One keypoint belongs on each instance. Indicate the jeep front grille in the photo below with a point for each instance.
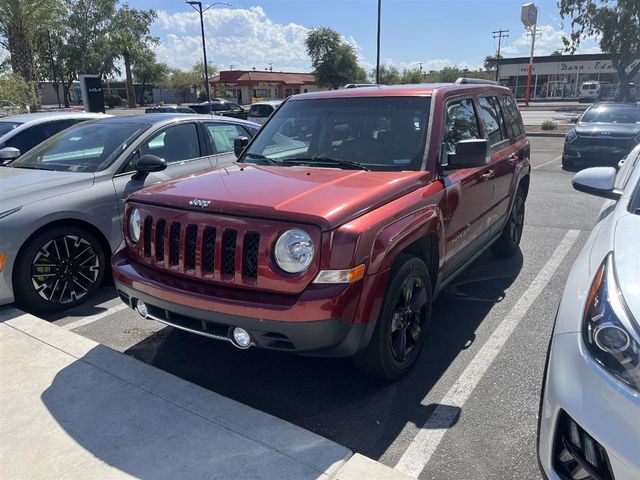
(196, 239)
(217, 249)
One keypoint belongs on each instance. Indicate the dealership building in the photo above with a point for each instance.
(556, 77)
(250, 85)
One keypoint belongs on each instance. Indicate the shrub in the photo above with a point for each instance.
(112, 100)
(15, 90)
(549, 125)
(202, 96)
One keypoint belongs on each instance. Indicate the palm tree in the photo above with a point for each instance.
(19, 20)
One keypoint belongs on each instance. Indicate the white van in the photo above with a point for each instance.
(590, 91)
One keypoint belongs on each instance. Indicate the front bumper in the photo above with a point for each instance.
(604, 408)
(594, 155)
(320, 321)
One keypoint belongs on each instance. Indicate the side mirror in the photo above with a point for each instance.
(469, 154)
(8, 154)
(239, 145)
(598, 181)
(148, 164)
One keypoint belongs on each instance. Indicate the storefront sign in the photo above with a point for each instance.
(230, 84)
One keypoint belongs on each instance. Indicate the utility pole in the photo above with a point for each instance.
(199, 9)
(499, 34)
(378, 45)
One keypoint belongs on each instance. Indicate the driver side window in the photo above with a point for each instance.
(461, 124)
(174, 144)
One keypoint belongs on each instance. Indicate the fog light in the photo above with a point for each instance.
(141, 307)
(241, 337)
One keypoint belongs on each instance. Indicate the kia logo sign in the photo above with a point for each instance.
(95, 90)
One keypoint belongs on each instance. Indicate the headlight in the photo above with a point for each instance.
(572, 136)
(608, 330)
(134, 225)
(294, 251)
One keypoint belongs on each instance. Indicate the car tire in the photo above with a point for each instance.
(401, 327)
(509, 241)
(57, 269)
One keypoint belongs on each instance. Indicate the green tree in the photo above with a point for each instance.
(389, 75)
(334, 61)
(450, 74)
(181, 83)
(15, 89)
(491, 61)
(198, 71)
(80, 44)
(20, 21)
(130, 38)
(617, 23)
(412, 75)
(148, 71)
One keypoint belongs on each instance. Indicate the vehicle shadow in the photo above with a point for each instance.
(330, 396)
(149, 426)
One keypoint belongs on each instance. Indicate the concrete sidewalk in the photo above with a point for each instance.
(75, 409)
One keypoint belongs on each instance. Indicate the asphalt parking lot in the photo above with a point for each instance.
(469, 407)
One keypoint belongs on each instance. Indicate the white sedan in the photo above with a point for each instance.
(589, 426)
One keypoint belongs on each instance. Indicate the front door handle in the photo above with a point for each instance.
(513, 159)
(488, 175)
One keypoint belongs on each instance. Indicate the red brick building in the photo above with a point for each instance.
(246, 85)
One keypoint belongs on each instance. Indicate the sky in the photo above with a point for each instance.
(438, 33)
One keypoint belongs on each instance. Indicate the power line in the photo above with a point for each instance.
(499, 34)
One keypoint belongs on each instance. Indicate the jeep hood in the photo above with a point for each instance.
(327, 197)
(22, 186)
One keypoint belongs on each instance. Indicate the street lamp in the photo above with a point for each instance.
(378, 44)
(197, 6)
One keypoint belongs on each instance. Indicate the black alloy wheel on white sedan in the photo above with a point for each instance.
(58, 269)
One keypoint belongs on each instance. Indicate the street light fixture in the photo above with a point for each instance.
(197, 6)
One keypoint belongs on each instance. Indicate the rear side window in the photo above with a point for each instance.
(493, 120)
(29, 138)
(512, 115)
(461, 124)
(222, 135)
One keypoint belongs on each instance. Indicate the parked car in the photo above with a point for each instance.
(62, 202)
(259, 112)
(169, 109)
(589, 422)
(605, 133)
(20, 133)
(348, 211)
(221, 107)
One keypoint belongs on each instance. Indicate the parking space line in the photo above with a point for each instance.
(92, 318)
(425, 443)
(535, 167)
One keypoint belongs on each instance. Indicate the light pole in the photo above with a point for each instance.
(197, 6)
(378, 44)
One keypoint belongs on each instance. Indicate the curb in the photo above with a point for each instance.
(121, 391)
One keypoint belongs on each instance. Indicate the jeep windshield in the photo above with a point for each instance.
(372, 133)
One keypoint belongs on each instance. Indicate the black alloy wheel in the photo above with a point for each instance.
(403, 321)
(58, 269)
(409, 313)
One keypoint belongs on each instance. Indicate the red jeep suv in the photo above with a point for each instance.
(341, 220)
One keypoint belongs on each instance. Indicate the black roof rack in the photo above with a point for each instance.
(464, 80)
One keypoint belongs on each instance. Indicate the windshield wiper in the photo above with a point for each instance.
(325, 160)
(257, 156)
(30, 167)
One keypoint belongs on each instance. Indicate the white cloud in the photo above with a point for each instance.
(433, 64)
(240, 37)
(548, 40)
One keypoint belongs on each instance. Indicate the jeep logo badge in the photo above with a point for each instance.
(196, 202)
